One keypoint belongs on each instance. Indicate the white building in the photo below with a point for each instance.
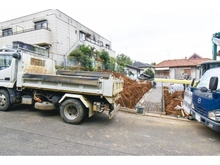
(54, 30)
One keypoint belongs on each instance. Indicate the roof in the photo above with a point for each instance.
(133, 67)
(194, 57)
(141, 64)
(193, 60)
(180, 62)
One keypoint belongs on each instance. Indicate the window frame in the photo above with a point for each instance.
(40, 25)
(7, 32)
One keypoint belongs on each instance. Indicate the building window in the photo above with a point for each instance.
(41, 25)
(82, 36)
(100, 43)
(88, 35)
(7, 32)
(107, 46)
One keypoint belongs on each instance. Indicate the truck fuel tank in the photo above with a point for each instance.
(45, 105)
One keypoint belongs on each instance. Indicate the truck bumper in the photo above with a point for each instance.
(206, 121)
(114, 111)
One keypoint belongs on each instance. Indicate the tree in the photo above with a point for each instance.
(153, 63)
(83, 56)
(149, 72)
(112, 64)
(87, 50)
(76, 55)
(123, 60)
(105, 58)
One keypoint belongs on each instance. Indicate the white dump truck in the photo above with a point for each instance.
(29, 78)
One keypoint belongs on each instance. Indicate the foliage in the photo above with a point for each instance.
(87, 50)
(88, 58)
(76, 55)
(59, 67)
(105, 58)
(121, 69)
(112, 64)
(123, 60)
(130, 73)
(149, 72)
(153, 63)
(83, 56)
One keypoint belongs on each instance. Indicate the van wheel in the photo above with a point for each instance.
(72, 111)
(4, 100)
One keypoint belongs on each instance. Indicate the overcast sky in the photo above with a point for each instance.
(146, 31)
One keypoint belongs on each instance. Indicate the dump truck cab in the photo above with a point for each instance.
(8, 66)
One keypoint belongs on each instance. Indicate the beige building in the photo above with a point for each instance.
(55, 31)
(179, 68)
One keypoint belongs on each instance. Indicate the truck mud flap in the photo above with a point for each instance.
(114, 111)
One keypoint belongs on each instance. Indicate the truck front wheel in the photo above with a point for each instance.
(72, 111)
(4, 100)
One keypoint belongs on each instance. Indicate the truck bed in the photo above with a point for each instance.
(62, 79)
(104, 75)
(92, 84)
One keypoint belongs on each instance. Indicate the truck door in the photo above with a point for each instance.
(7, 66)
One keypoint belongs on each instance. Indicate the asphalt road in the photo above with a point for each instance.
(26, 132)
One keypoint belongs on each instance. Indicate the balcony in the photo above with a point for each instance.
(40, 36)
(99, 47)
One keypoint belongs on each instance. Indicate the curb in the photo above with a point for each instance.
(133, 111)
(166, 117)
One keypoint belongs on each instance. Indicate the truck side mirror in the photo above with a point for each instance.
(192, 89)
(192, 82)
(16, 56)
(213, 83)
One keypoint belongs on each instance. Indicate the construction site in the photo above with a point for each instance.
(136, 95)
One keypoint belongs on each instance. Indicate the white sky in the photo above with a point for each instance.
(146, 31)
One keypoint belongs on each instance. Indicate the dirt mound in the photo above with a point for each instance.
(173, 100)
(133, 91)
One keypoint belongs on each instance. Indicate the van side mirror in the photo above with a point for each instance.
(16, 56)
(213, 83)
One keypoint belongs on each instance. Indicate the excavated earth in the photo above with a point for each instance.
(172, 101)
(133, 91)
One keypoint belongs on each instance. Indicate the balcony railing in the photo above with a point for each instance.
(24, 31)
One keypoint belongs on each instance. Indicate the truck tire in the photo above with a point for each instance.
(4, 100)
(72, 111)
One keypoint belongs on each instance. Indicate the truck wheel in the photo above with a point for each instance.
(4, 100)
(72, 111)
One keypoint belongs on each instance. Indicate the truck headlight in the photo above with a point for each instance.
(214, 115)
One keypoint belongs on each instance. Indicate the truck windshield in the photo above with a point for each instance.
(208, 65)
(5, 61)
(204, 80)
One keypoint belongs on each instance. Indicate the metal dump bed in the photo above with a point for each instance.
(104, 75)
(109, 88)
(94, 81)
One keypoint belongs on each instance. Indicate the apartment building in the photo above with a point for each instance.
(53, 30)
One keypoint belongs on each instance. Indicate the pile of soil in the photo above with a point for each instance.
(172, 100)
(133, 91)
